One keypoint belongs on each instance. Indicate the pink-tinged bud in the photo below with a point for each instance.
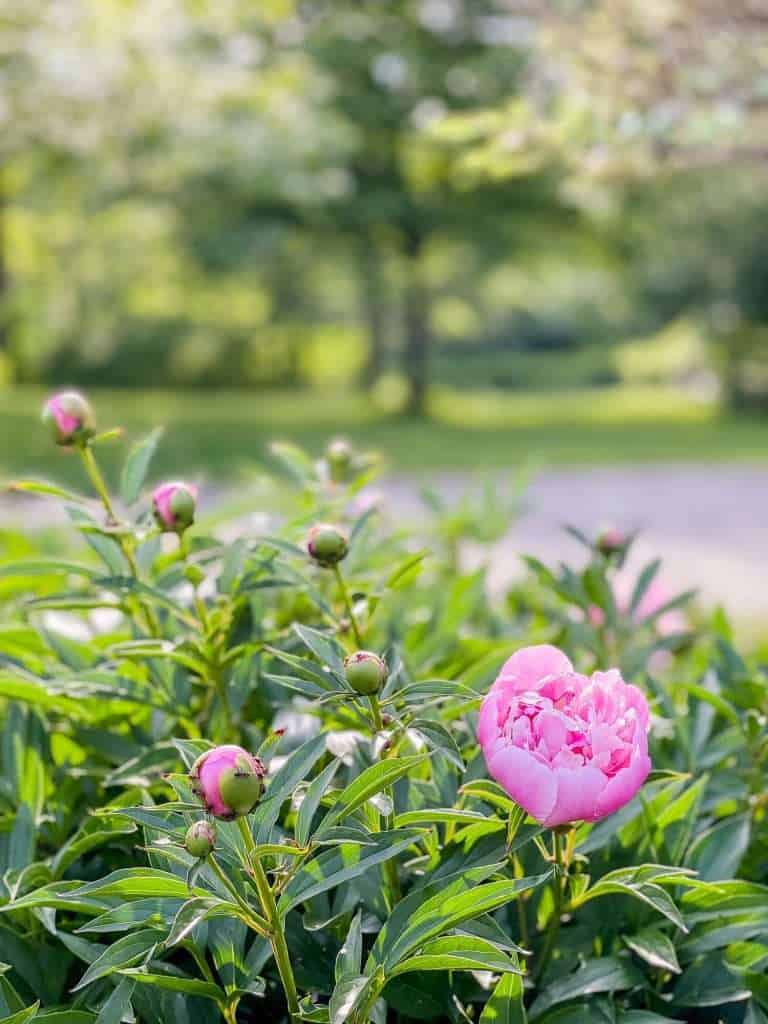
(339, 456)
(70, 418)
(228, 781)
(366, 672)
(200, 839)
(327, 544)
(610, 542)
(174, 506)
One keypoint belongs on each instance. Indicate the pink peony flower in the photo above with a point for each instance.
(228, 781)
(566, 747)
(174, 506)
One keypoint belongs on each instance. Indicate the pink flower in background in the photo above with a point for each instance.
(566, 747)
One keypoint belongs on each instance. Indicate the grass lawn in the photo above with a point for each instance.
(219, 435)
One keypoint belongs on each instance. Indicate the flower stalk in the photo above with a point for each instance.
(276, 931)
(344, 590)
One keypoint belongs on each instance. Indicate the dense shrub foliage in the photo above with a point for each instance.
(381, 875)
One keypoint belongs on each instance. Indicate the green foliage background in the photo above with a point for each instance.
(408, 886)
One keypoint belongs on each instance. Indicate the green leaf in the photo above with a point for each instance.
(441, 913)
(136, 466)
(350, 956)
(153, 911)
(655, 948)
(124, 953)
(66, 1017)
(342, 864)
(370, 782)
(407, 571)
(293, 771)
(439, 739)
(175, 983)
(440, 815)
(135, 883)
(93, 833)
(347, 997)
(506, 1004)
(311, 802)
(194, 912)
(717, 852)
(644, 581)
(49, 490)
(327, 650)
(118, 1004)
(645, 1017)
(641, 883)
(458, 953)
(607, 974)
(22, 1016)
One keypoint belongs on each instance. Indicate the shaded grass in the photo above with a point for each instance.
(220, 435)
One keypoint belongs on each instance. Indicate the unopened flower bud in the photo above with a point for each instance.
(228, 781)
(174, 506)
(366, 672)
(610, 541)
(327, 544)
(339, 456)
(200, 839)
(70, 418)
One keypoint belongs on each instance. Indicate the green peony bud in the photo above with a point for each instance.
(200, 839)
(366, 672)
(327, 544)
(339, 456)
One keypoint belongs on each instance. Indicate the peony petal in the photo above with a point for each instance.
(624, 784)
(488, 722)
(528, 666)
(528, 781)
(578, 790)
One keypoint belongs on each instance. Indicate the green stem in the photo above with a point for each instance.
(558, 879)
(276, 932)
(390, 868)
(100, 486)
(94, 474)
(254, 920)
(348, 605)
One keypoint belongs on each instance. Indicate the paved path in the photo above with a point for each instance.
(709, 523)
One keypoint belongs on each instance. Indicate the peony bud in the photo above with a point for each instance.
(327, 544)
(339, 456)
(200, 839)
(173, 505)
(228, 781)
(366, 672)
(610, 542)
(70, 418)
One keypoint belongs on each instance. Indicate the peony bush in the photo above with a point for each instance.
(313, 770)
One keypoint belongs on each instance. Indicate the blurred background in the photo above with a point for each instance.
(470, 233)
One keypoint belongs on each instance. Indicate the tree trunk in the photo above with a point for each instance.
(374, 309)
(417, 332)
